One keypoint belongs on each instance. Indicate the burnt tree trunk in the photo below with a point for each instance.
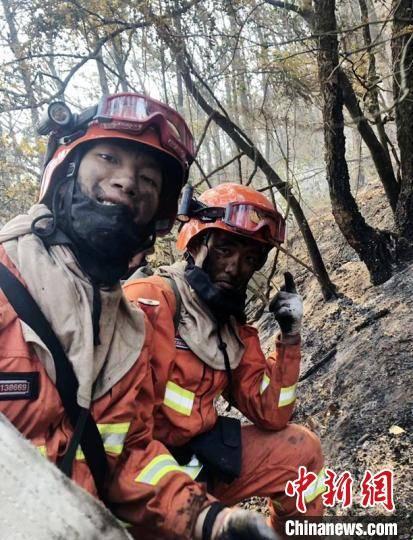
(379, 153)
(372, 78)
(402, 51)
(373, 247)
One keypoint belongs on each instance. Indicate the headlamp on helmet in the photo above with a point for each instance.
(191, 208)
(57, 117)
(127, 112)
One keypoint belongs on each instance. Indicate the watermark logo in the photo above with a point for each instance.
(337, 489)
(377, 489)
(299, 487)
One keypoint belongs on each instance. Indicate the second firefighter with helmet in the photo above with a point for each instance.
(204, 349)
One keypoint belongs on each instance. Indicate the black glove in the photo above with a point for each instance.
(287, 307)
(244, 525)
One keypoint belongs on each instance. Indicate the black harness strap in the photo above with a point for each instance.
(85, 428)
(211, 515)
(222, 346)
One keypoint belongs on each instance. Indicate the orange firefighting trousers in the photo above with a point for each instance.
(269, 460)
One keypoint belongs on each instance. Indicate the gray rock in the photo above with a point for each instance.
(37, 502)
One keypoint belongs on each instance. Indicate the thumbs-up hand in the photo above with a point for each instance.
(287, 307)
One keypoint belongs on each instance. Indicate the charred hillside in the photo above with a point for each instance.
(357, 369)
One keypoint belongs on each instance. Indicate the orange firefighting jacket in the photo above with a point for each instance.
(146, 487)
(186, 388)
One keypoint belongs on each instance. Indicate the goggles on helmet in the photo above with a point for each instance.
(250, 218)
(245, 218)
(127, 112)
(135, 112)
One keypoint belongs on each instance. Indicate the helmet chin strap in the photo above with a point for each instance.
(204, 242)
(48, 233)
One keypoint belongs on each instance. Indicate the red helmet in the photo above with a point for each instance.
(247, 213)
(129, 116)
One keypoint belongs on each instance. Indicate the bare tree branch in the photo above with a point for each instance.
(238, 156)
(204, 132)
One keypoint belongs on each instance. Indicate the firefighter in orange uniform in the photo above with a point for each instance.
(208, 350)
(111, 182)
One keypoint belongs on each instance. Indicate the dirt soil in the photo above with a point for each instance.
(358, 396)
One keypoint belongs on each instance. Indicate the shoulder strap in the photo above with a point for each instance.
(178, 300)
(85, 429)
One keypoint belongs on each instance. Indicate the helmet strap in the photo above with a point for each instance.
(206, 237)
(48, 232)
(74, 163)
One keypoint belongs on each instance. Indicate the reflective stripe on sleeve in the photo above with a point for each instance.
(124, 524)
(42, 450)
(264, 383)
(113, 437)
(178, 398)
(316, 487)
(287, 395)
(162, 465)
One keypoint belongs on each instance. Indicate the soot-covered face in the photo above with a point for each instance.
(121, 173)
(232, 260)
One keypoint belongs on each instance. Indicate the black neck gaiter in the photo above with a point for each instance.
(104, 238)
(222, 303)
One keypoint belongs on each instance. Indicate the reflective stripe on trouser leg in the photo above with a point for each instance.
(316, 487)
(42, 450)
(264, 383)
